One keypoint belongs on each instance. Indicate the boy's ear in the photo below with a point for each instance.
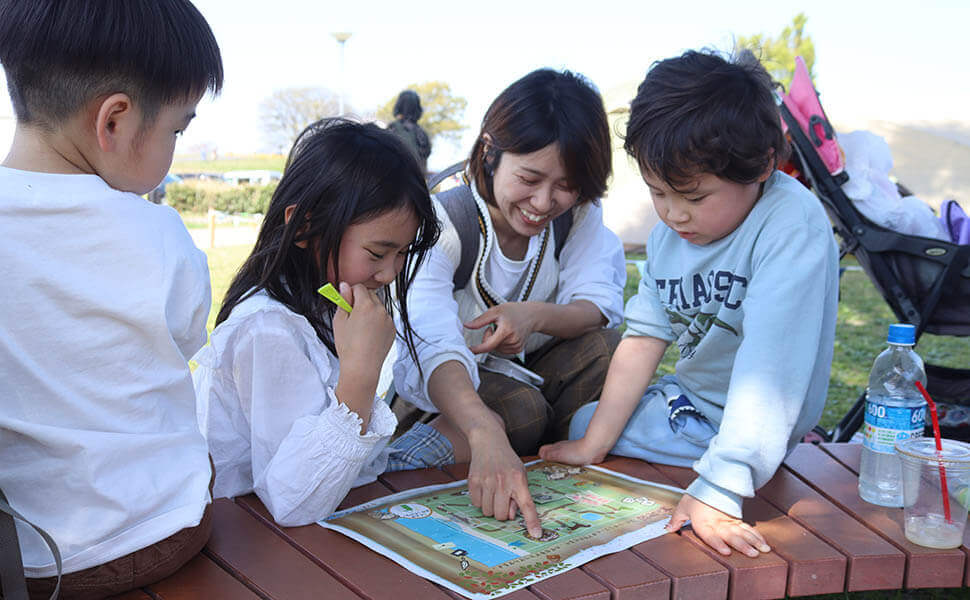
(287, 215)
(770, 168)
(116, 122)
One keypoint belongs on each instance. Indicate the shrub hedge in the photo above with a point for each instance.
(200, 196)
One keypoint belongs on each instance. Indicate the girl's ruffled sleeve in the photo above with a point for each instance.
(307, 448)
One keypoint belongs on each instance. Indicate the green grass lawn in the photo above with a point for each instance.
(269, 162)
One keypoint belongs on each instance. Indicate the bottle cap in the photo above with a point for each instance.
(901, 333)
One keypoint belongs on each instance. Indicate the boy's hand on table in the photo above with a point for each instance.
(717, 529)
(572, 452)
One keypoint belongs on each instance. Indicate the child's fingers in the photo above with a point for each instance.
(754, 537)
(548, 451)
(739, 540)
(677, 519)
(713, 539)
(347, 292)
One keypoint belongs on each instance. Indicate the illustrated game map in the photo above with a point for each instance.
(436, 532)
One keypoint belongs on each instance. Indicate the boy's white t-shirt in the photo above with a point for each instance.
(104, 299)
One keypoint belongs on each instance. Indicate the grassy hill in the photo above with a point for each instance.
(191, 164)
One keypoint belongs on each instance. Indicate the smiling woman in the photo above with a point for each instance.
(508, 354)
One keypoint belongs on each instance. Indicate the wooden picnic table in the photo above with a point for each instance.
(824, 538)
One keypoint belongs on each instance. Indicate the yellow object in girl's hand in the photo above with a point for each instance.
(330, 293)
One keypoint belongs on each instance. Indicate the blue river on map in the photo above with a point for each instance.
(442, 532)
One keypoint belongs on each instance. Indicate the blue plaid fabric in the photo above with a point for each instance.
(420, 447)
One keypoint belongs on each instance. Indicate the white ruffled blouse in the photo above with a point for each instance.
(266, 404)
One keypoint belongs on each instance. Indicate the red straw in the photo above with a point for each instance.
(939, 449)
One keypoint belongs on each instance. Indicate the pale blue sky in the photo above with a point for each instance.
(887, 60)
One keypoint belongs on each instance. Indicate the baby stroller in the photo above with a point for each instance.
(925, 281)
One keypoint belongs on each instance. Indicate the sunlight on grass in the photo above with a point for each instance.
(223, 264)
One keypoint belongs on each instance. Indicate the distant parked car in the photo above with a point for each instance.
(158, 194)
(260, 176)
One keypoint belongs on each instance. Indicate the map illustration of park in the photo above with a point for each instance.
(436, 532)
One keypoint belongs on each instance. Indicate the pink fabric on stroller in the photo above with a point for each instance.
(802, 100)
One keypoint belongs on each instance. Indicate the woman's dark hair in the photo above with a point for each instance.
(61, 55)
(408, 106)
(339, 173)
(547, 107)
(701, 113)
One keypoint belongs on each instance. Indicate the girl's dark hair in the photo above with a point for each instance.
(547, 107)
(61, 55)
(408, 106)
(701, 113)
(339, 173)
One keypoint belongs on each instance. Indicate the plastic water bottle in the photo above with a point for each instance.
(895, 410)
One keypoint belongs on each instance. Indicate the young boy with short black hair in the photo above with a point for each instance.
(105, 297)
(742, 274)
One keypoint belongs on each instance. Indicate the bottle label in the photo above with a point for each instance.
(884, 425)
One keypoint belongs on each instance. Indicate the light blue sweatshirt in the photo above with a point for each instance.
(754, 317)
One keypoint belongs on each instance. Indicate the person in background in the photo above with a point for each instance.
(407, 113)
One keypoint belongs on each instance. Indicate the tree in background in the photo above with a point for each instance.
(778, 54)
(443, 111)
(288, 111)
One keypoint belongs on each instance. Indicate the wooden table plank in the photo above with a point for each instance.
(771, 575)
(406, 480)
(523, 594)
(850, 455)
(628, 576)
(201, 578)
(367, 573)
(132, 595)
(925, 567)
(571, 585)
(364, 493)
(265, 562)
(692, 572)
(873, 563)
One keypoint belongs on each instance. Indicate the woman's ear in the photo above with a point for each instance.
(489, 155)
(486, 144)
(116, 123)
(287, 215)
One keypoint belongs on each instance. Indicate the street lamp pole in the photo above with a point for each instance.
(342, 37)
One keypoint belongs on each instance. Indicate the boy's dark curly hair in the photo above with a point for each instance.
(701, 113)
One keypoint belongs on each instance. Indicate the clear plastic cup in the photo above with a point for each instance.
(924, 513)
